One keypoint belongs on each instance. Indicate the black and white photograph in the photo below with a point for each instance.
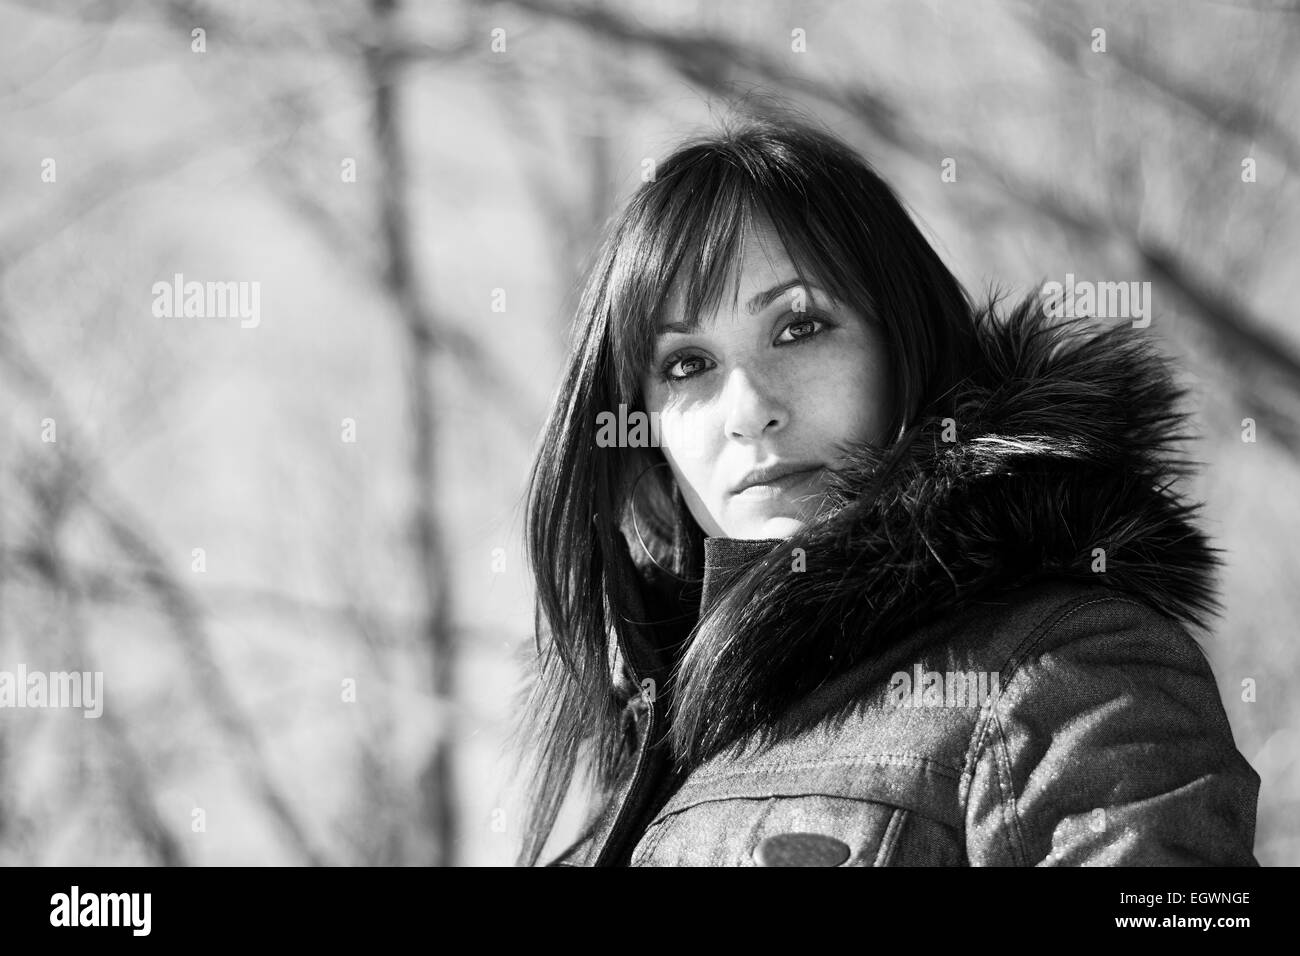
(545, 434)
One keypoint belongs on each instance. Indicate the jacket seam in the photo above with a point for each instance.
(641, 854)
(940, 769)
(991, 724)
(888, 842)
(1007, 798)
(943, 769)
(660, 821)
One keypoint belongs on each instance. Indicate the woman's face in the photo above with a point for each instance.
(780, 380)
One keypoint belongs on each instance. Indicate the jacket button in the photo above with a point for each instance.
(801, 849)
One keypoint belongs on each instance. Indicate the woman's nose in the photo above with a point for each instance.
(752, 406)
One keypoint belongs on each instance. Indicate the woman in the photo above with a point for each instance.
(834, 568)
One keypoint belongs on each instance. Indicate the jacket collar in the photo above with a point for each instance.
(668, 609)
(1055, 458)
(725, 558)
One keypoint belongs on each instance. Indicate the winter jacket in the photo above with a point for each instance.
(986, 659)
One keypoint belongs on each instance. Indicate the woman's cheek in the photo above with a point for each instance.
(685, 434)
(692, 460)
(852, 399)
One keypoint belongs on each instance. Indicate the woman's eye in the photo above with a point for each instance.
(804, 328)
(678, 368)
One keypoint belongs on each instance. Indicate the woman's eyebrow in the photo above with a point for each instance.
(763, 299)
(755, 305)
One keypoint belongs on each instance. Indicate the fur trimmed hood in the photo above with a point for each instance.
(1058, 453)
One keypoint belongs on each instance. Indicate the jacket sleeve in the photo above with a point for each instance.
(1109, 746)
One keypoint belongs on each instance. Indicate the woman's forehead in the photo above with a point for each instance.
(761, 273)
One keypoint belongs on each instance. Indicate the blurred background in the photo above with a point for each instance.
(293, 548)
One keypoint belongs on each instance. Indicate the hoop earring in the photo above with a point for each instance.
(679, 525)
(679, 530)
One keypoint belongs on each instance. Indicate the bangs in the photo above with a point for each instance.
(685, 234)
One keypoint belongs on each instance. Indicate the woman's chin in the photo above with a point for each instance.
(776, 526)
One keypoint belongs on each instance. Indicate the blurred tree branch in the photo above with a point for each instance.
(123, 584)
(437, 782)
(712, 62)
(280, 110)
(76, 481)
(132, 773)
(1211, 107)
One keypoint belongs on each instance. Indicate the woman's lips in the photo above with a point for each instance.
(779, 487)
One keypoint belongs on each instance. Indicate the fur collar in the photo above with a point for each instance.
(1064, 442)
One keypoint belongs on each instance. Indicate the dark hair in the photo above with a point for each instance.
(840, 223)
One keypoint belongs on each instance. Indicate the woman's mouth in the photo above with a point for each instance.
(777, 487)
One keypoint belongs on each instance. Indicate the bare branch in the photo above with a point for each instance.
(83, 483)
(708, 61)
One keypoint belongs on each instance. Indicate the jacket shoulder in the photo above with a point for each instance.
(1008, 627)
(1107, 742)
